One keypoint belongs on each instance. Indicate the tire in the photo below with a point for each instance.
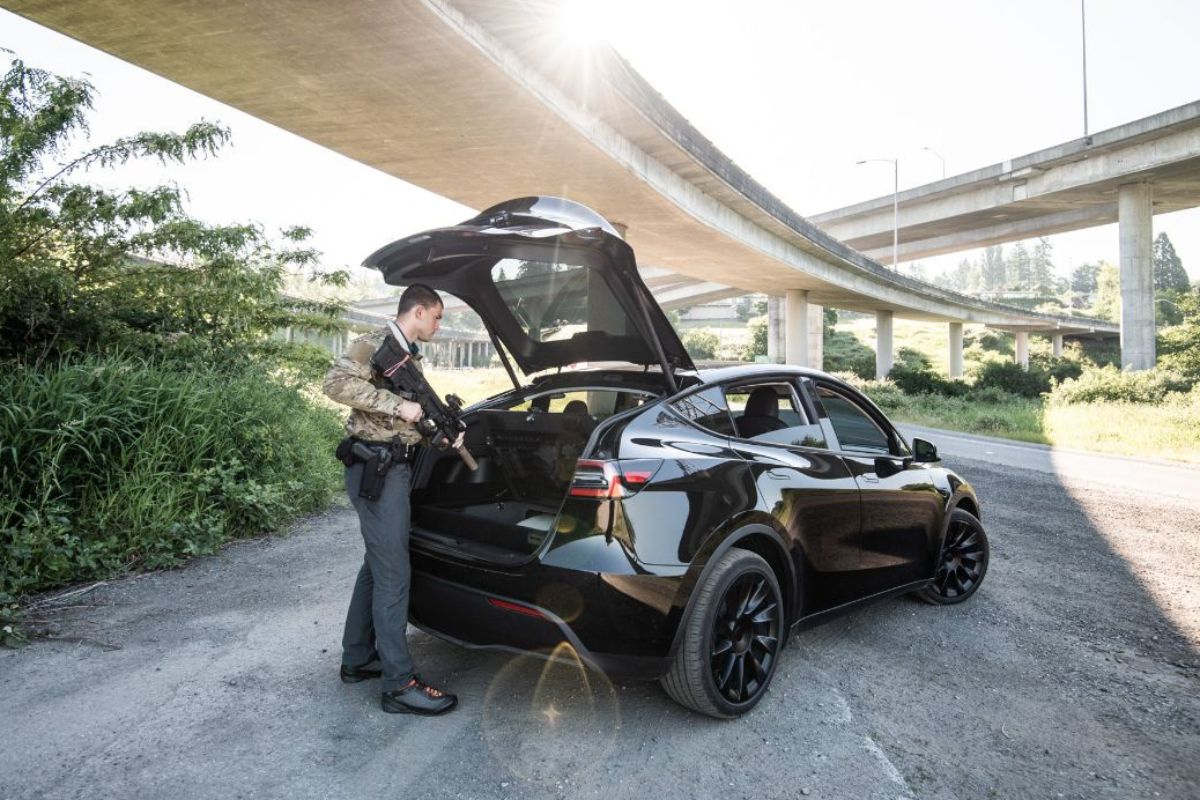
(731, 640)
(962, 563)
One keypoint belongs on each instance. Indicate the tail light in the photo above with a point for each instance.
(612, 479)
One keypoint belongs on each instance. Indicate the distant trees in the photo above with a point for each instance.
(1042, 266)
(1107, 303)
(1083, 278)
(993, 268)
(1169, 274)
(1027, 276)
(1019, 268)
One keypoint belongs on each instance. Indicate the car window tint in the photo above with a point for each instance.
(553, 302)
(707, 409)
(783, 422)
(855, 430)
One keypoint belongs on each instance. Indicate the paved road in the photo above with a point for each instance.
(1073, 673)
(1167, 478)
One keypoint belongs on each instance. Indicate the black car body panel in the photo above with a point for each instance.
(593, 528)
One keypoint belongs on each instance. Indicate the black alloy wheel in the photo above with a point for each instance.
(731, 639)
(963, 562)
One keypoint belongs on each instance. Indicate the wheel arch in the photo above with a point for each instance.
(968, 504)
(758, 538)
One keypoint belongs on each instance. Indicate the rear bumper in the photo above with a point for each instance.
(622, 625)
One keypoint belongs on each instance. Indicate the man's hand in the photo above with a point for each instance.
(459, 441)
(410, 411)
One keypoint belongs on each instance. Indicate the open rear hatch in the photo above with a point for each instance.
(555, 285)
(550, 279)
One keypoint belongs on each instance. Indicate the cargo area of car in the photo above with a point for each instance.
(504, 510)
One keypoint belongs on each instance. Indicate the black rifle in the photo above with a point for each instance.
(441, 423)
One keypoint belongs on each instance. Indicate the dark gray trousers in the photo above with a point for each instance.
(377, 620)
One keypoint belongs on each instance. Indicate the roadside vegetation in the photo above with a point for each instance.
(146, 412)
(1081, 400)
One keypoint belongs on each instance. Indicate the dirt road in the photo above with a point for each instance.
(1073, 673)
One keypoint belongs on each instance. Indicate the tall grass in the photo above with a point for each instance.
(111, 463)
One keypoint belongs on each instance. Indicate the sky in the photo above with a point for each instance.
(795, 92)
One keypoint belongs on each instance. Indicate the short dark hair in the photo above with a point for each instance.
(418, 295)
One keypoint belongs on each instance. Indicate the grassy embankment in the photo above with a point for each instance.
(1164, 430)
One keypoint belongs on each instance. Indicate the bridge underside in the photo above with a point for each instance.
(1068, 187)
(482, 100)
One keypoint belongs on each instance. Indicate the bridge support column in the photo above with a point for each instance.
(1023, 349)
(775, 343)
(1056, 343)
(816, 336)
(883, 344)
(796, 349)
(956, 348)
(1134, 213)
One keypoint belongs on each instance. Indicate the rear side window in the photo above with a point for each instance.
(771, 412)
(707, 409)
(855, 430)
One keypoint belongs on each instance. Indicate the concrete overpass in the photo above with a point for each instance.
(481, 100)
(1124, 174)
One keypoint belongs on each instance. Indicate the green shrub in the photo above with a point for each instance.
(1057, 369)
(701, 344)
(913, 359)
(843, 352)
(1109, 384)
(758, 339)
(1179, 345)
(914, 380)
(991, 395)
(1011, 377)
(111, 463)
(990, 341)
(885, 393)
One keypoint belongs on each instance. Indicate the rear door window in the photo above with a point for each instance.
(772, 412)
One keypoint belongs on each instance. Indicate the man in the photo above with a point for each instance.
(375, 642)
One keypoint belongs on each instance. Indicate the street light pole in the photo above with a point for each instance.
(939, 155)
(1083, 38)
(895, 162)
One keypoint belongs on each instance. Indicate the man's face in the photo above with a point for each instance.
(428, 319)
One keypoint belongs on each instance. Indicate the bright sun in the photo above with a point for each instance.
(589, 22)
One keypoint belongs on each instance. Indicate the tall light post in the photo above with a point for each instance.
(895, 162)
(939, 156)
(1083, 43)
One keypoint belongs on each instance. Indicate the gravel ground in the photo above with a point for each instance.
(1072, 673)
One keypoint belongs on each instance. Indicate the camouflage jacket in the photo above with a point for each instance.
(374, 410)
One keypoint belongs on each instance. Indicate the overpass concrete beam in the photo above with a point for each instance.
(1056, 343)
(883, 344)
(1134, 207)
(1022, 356)
(916, 247)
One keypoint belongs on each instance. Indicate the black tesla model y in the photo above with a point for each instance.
(664, 522)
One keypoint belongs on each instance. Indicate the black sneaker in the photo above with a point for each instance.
(371, 669)
(418, 697)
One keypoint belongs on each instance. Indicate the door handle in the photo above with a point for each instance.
(869, 477)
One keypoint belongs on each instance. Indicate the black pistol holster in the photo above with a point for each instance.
(376, 459)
